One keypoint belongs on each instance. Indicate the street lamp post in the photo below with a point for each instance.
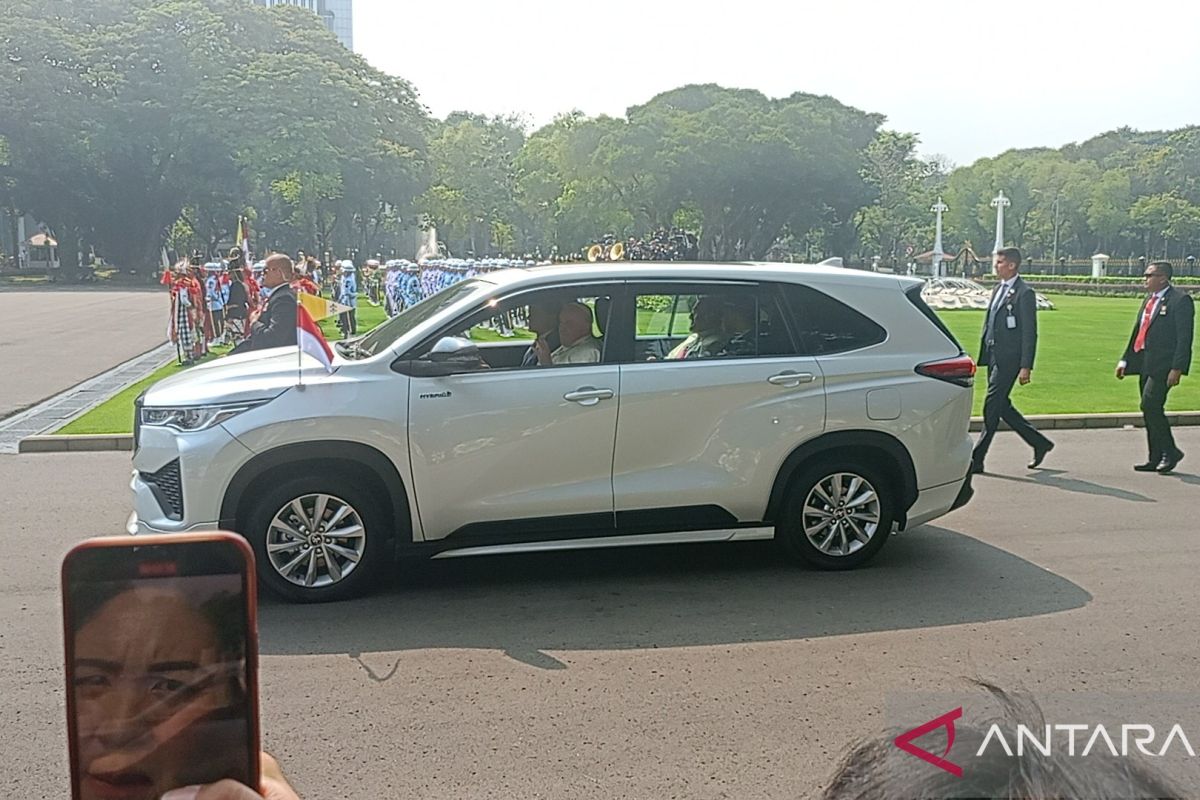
(999, 202)
(1055, 256)
(938, 253)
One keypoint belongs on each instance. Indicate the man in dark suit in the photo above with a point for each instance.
(1160, 352)
(276, 326)
(1007, 348)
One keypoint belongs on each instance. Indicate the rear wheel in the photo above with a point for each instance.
(838, 515)
(318, 539)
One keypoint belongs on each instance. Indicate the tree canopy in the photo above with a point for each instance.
(134, 124)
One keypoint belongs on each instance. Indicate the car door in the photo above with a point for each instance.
(703, 431)
(509, 454)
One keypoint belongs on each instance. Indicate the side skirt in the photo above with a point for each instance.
(631, 540)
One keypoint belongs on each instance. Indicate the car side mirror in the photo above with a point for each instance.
(455, 350)
(451, 355)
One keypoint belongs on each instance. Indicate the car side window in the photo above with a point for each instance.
(541, 328)
(699, 321)
(827, 326)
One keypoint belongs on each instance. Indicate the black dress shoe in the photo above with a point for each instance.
(1039, 454)
(1149, 466)
(1170, 462)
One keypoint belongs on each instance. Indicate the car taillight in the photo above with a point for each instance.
(959, 370)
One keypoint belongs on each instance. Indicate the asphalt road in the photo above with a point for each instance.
(697, 672)
(53, 339)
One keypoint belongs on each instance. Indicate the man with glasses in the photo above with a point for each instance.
(1160, 353)
(276, 326)
(1007, 348)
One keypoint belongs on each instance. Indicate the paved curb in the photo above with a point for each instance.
(94, 442)
(1050, 422)
(1045, 422)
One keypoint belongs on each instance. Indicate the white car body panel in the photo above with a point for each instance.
(700, 433)
(505, 445)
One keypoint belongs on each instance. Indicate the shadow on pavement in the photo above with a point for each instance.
(1050, 477)
(677, 596)
(1185, 477)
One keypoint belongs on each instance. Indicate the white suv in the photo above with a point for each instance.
(820, 407)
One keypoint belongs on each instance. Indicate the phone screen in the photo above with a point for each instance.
(160, 667)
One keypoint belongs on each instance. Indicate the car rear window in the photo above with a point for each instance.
(828, 326)
(914, 296)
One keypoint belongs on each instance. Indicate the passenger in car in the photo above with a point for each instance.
(706, 331)
(737, 325)
(543, 320)
(578, 345)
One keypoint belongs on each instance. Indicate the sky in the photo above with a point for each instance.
(970, 78)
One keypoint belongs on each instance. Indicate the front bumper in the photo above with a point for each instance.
(179, 478)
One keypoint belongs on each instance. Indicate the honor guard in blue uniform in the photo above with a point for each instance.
(348, 296)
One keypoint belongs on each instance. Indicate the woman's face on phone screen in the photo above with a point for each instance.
(147, 673)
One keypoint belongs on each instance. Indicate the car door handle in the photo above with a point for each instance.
(791, 379)
(587, 396)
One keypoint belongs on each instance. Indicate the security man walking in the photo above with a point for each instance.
(1160, 353)
(1008, 346)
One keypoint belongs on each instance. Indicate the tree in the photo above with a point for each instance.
(133, 110)
(1166, 218)
(906, 188)
(474, 177)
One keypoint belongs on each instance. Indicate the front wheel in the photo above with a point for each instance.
(838, 515)
(318, 539)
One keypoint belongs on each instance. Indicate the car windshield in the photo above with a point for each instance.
(388, 332)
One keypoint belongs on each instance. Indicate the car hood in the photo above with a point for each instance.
(258, 375)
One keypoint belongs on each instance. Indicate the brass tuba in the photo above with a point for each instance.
(616, 252)
(594, 253)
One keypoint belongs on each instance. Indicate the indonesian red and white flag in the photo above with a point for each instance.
(311, 340)
(243, 240)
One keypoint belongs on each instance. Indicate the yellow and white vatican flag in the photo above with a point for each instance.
(319, 308)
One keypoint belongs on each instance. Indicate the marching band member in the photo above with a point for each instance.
(214, 294)
(182, 329)
(302, 283)
(348, 296)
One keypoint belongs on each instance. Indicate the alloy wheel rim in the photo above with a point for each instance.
(841, 514)
(316, 540)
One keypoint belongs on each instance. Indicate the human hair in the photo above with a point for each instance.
(1011, 254)
(1163, 268)
(875, 770)
(580, 311)
(289, 269)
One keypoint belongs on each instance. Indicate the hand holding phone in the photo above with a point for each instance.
(161, 662)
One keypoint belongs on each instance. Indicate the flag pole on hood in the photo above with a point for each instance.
(309, 339)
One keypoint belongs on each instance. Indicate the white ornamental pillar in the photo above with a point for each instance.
(999, 202)
(939, 254)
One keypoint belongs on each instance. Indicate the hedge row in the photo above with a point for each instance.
(1111, 279)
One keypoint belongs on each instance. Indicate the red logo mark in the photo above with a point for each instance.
(905, 742)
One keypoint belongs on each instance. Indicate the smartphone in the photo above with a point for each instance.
(161, 644)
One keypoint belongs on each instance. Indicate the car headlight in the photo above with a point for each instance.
(196, 418)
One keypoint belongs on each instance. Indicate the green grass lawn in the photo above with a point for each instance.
(1079, 345)
(1078, 348)
(115, 415)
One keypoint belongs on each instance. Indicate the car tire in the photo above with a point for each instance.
(829, 509)
(303, 565)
